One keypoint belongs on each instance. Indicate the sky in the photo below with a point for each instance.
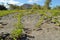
(21, 2)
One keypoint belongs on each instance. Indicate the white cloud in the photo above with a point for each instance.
(30, 1)
(10, 2)
(33, 1)
(13, 2)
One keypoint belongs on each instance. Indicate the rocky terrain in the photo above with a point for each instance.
(47, 31)
(7, 23)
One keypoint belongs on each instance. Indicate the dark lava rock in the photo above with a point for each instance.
(3, 36)
(25, 37)
(39, 29)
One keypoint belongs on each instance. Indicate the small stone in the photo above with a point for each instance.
(53, 22)
(39, 29)
(0, 18)
(4, 23)
(1, 26)
(1, 22)
(30, 36)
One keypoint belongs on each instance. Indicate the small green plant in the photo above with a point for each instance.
(16, 33)
(19, 28)
(39, 23)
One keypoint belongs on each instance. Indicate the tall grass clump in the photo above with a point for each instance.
(19, 28)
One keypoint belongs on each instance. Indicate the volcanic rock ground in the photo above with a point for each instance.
(7, 23)
(48, 30)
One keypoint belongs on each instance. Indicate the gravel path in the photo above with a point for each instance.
(48, 30)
